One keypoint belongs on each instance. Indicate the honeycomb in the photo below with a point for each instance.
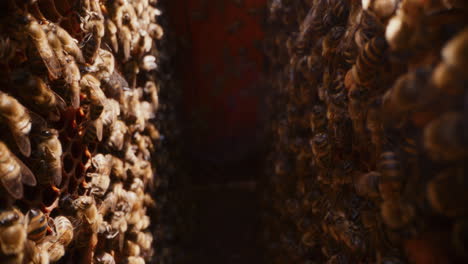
(80, 129)
(369, 147)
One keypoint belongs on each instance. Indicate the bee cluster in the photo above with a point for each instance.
(80, 126)
(369, 127)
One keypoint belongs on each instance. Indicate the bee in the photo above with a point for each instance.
(331, 41)
(33, 254)
(119, 169)
(397, 213)
(12, 232)
(100, 179)
(358, 97)
(39, 38)
(318, 119)
(115, 85)
(446, 192)
(144, 144)
(443, 138)
(135, 260)
(93, 25)
(409, 92)
(125, 37)
(49, 153)
(116, 138)
(368, 61)
(37, 93)
(13, 173)
(110, 113)
(104, 258)
(459, 231)
(367, 184)
(382, 8)
(104, 64)
(16, 116)
(131, 248)
(151, 91)
(55, 250)
(111, 30)
(72, 77)
(37, 225)
(64, 230)
(454, 52)
(155, 31)
(374, 124)
(69, 44)
(322, 150)
(148, 63)
(7, 49)
(86, 210)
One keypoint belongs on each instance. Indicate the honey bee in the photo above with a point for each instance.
(114, 85)
(318, 119)
(104, 64)
(13, 173)
(54, 249)
(367, 184)
(39, 38)
(444, 138)
(13, 233)
(331, 40)
(446, 192)
(110, 113)
(111, 30)
(459, 231)
(397, 213)
(100, 179)
(72, 77)
(69, 44)
(7, 49)
(152, 91)
(144, 144)
(49, 153)
(155, 31)
(368, 60)
(37, 93)
(358, 97)
(97, 101)
(382, 8)
(104, 258)
(374, 124)
(135, 260)
(322, 150)
(94, 26)
(33, 255)
(119, 169)
(148, 63)
(16, 116)
(116, 138)
(37, 225)
(86, 210)
(408, 93)
(64, 230)
(125, 37)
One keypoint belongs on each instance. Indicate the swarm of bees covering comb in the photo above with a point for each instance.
(370, 128)
(78, 105)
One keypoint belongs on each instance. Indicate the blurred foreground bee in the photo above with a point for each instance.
(37, 225)
(368, 62)
(13, 173)
(94, 26)
(16, 116)
(444, 138)
(12, 232)
(447, 192)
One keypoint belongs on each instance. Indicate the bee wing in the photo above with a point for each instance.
(27, 177)
(23, 143)
(50, 60)
(99, 128)
(13, 186)
(75, 94)
(56, 172)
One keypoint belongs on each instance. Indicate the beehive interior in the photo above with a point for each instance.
(308, 131)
